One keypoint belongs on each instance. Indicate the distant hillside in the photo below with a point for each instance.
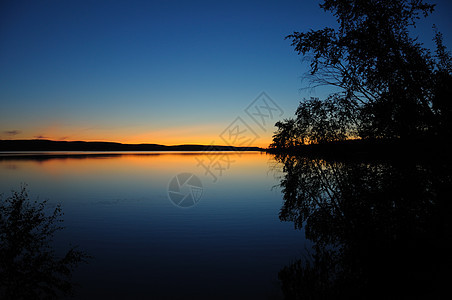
(47, 145)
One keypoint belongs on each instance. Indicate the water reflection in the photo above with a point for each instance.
(29, 265)
(379, 228)
(231, 245)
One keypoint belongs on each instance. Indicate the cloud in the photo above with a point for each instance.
(39, 137)
(12, 132)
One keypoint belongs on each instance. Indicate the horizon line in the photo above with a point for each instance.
(131, 144)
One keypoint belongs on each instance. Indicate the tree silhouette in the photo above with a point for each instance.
(389, 85)
(29, 267)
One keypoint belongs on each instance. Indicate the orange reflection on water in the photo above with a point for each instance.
(152, 164)
(146, 175)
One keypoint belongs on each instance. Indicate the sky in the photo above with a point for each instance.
(165, 72)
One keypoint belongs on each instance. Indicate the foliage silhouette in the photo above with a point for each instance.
(380, 229)
(29, 267)
(388, 85)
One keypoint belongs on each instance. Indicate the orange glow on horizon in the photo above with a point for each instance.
(199, 135)
(169, 142)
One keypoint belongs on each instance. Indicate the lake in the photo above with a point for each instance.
(117, 207)
(245, 225)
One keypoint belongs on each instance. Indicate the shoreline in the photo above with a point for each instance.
(424, 149)
(49, 145)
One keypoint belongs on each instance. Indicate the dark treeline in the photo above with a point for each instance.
(389, 87)
(47, 145)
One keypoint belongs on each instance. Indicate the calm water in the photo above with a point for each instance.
(230, 244)
(248, 225)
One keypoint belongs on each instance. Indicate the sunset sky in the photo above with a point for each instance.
(167, 72)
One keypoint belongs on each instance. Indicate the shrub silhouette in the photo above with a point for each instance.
(29, 267)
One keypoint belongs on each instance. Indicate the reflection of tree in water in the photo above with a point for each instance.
(379, 229)
(29, 267)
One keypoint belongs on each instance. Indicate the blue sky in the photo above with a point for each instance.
(168, 72)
